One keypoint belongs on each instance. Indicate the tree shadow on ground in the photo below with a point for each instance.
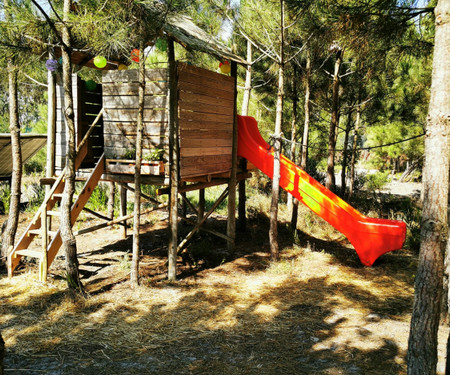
(291, 328)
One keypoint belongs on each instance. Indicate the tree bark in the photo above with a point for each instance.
(273, 231)
(354, 146)
(345, 154)
(330, 181)
(134, 275)
(16, 178)
(232, 184)
(69, 244)
(292, 201)
(248, 82)
(422, 344)
(304, 160)
(173, 165)
(242, 222)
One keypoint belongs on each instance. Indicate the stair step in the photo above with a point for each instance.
(53, 213)
(51, 233)
(29, 253)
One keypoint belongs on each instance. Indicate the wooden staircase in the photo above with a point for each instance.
(38, 226)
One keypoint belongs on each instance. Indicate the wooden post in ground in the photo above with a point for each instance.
(201, 205)
(173, 161)
(123, 209)
(242, 219)
(231, 224)
(43, 264)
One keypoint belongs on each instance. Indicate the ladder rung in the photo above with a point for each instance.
(29, 253)
(53, 213)
(51, 233)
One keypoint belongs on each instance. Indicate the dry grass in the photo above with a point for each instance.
(317, 311)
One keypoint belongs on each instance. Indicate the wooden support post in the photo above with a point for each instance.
(200, 223)
(43, 264)
(123, 209)
(201, 205)
(231, 224)
(188, 203)
(173, 161)
(242, 221)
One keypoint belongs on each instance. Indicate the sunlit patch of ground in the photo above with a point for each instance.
(316, 311)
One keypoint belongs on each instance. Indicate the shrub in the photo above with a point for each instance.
(376, 181)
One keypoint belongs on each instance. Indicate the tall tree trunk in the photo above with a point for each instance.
(273, 231)
(248, 81)
(422, 344)
(304, 160)
(354, 146)
(345, 153)
(16, 178)
(330, 181)
(134, 276)
(242, 222)
(173, 164)
(69, 244)
(292, 201)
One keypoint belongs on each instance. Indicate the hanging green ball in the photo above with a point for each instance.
(90, 85)
(161, 44)
(100, 61)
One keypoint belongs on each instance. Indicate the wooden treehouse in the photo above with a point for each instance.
(189, 144)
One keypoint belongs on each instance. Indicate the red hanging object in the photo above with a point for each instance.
(135, 55)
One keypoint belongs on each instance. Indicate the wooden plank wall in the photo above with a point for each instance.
(206, 102)
(120, 102)
(87, 105)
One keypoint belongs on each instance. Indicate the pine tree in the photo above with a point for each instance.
(14, 128)
(422, 344)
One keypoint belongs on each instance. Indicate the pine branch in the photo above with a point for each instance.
(50, 23)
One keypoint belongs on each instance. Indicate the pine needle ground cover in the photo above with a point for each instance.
(317, 311)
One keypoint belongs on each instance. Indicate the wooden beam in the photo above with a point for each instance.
(242, 218)
(200, 223)
(145, 196)
(201, 204)
(188, 202)
(119, 220)
(208, 230)
(123, 209)
(203, 185)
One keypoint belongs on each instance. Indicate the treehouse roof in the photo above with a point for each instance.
(30, 143)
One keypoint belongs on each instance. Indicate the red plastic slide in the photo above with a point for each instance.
(370, 237)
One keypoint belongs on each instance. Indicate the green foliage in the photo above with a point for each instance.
(5, 196)
(36, 165)
(124, 262)
(35, 194)
(376, 181)
(155, 154)
(99, 198)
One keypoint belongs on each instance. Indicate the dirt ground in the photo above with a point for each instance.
(317, 311)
